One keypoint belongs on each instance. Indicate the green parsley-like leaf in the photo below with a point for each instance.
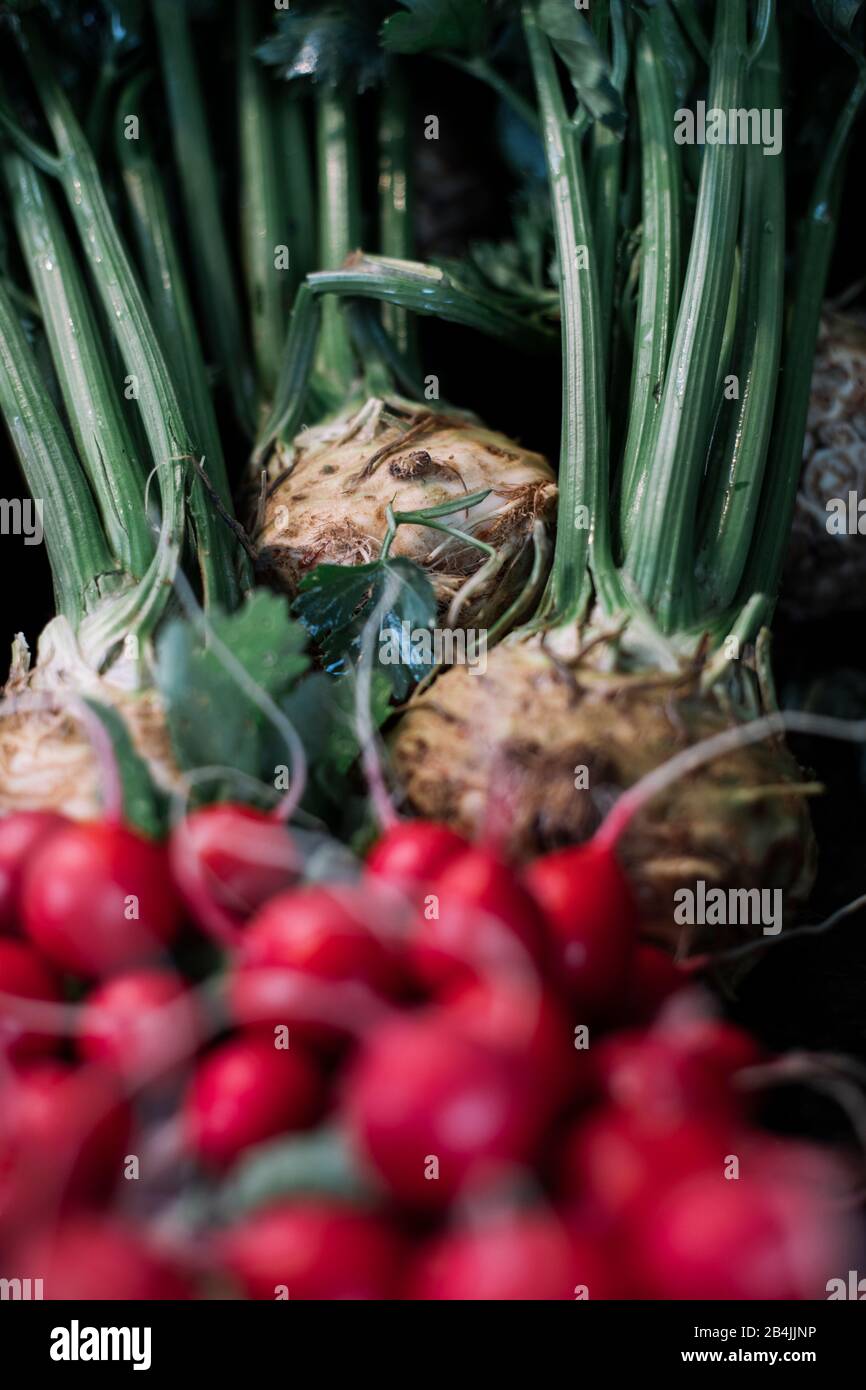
(210, 717)
(460, 25)
(328, 42)
(145, 805)
(323, 1163)
(336, 602)
(570, 33)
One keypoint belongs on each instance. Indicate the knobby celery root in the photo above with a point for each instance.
(330, 505)
(47, 759)
(466, 753)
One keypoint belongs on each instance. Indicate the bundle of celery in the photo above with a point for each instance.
(123, 430)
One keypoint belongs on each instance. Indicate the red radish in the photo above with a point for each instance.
(304, 943)
(246, 1091)
(593, 922)
(90, 1258)
(713, 1238)
(721, 1046)
(20, 834)
(829, 1175)
(478, 919)
(25, 975)
(139, 1025)
(525, 1257)
(437, 1114)
(412, 853)
(97, 898)
(653, 979)
(526, 1022)
(228, 860)
(63, 1137)
(613, 1162)
(319, 1250)
(661, 1083)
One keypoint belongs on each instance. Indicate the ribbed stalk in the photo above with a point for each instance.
(117, 284)
(263, 227)
(82, 565)
(102, 436)
(339, 226)
(296, 368)
(660, 266)
(733, 508)
(583, 449)
(605, 173)
(218, 296)
(660, 556)
(395, 198)
(169, 298)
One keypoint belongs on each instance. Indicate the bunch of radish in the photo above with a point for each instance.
(532, 1104)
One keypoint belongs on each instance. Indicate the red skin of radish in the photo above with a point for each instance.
(246, 1091)
(653, 979)
(662, 1083)
(412, 854)
(421, 1090)
(63, 1137)
(613, 1162)
(140, 1025)
(487, 923)
(721, 1046)
(75, 899)
(324, 937)
(90, 1258)
(24, 973)
(211, 854)
(320, 1250)
(593, 922)
(527, 1257)
(20, 834)
(526, 1022)
(709, 1238)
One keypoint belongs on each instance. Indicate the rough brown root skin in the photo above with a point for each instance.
(826, 572)
(502, 752)
(47, 761)
(329, 505)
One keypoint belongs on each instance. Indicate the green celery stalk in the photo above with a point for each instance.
(339, 227)
(733, 507)
(395, 198)
(219, 300)
(100, 431)
(660, 555)
(169, 297)
(263, 223)
(128, 317)
(584, 444)
(660, 268)
(82, 565)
